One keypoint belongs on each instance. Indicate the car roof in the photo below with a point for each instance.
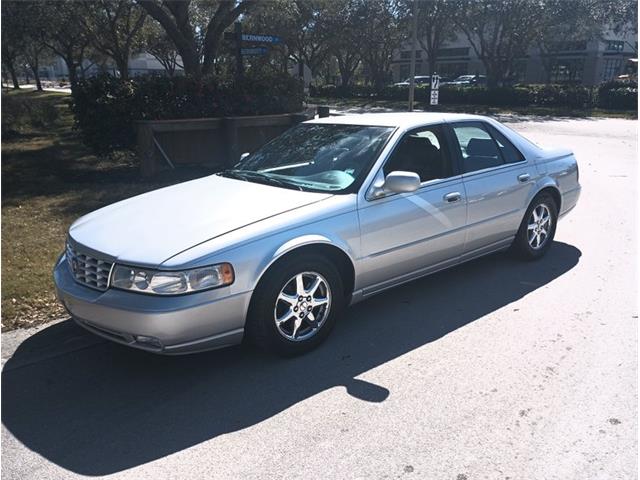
(403, 120)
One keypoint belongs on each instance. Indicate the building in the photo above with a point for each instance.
(584, 62)
(140, 64)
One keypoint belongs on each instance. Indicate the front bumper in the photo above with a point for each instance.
(169, 325)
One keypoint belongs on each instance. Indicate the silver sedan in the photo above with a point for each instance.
(329, 213)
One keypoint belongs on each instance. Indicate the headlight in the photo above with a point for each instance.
(171, 283)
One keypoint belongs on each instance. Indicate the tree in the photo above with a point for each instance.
(66, 35)
(34, 30)
(435, 27)
(158, 44)
(379, 36)
(113, 27)
(196, 28)
(562, 22)
(13, 37)
(341, 31)
(499, 32)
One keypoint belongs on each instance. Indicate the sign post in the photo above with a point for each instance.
(435, 86)
(237, 30)
(414, 42)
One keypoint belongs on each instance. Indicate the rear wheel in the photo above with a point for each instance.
(538, 227)
(295, 305)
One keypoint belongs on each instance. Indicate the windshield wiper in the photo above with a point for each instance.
(250, 175)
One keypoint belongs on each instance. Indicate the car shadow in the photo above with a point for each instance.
(106, 408)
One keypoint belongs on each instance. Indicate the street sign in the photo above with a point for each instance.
(250, 37)
(434, 97)
(253, 38)
(254, 51)
(435, 82)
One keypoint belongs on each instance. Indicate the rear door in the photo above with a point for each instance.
(498, 181)
(405, 235)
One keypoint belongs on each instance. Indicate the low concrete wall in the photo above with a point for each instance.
(213, 142)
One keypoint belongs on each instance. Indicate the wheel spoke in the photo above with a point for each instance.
(531, 226)
(536, 216)
(290, 299)
(314, 286)
(300, 284)
(287, 316)
(318, 302)
(311, 320)
(296, 326)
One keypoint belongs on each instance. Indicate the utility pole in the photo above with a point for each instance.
(414, 42)
(237, 29)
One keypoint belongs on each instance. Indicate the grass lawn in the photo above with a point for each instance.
(400, 105)
(48, 180)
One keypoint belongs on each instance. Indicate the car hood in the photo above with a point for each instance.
(150, 228)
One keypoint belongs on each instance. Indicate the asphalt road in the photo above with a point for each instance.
(497, 369)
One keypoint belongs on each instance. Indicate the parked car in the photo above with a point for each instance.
(419, 80)
(331, 212)
(467, 80)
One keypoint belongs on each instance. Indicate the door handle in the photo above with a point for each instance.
(524, 178)
(452, 197)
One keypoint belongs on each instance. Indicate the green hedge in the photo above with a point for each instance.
(612, 95)
(106, 108)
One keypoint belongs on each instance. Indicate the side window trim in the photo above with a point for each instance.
(492, 131)
(482, 126)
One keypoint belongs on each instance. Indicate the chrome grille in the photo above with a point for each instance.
(88, 270)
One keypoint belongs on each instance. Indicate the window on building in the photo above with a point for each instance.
(452, 69)
(614, 46)
(453, 52)
(568, 46)
(404, 71)
(406, 54)
(567, 70)
(611, 68)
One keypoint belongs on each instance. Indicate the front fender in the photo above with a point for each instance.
(302, 241)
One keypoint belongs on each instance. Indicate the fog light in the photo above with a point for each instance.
(151, 341)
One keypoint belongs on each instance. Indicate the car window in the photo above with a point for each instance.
(478, 149)
(424, 152)
(315, 157)
(510, 153)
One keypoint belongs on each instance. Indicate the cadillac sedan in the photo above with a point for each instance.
(329, 213)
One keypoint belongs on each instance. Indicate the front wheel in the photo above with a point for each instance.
(295, 305)
(538, 228)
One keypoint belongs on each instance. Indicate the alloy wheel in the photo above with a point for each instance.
(302, 306)
(539, 226)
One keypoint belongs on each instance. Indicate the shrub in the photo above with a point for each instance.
(618, 95)
(106, 108)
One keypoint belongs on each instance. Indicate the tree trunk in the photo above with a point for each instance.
(432, 64)
(14, 77)
(122, 64)
(36, 74)
(71, 67)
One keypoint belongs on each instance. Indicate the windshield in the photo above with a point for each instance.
(315, 157)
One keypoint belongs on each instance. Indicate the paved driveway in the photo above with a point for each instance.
(496, 369)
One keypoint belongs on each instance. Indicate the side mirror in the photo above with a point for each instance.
(244, 155)
(401, 182)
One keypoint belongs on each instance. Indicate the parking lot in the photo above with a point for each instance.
(496, 369)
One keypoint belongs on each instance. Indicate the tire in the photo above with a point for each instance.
(277, 296)
(525, 245)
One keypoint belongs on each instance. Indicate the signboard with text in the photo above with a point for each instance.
(435, 86)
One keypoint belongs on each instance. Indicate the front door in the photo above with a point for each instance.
(409, 234)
